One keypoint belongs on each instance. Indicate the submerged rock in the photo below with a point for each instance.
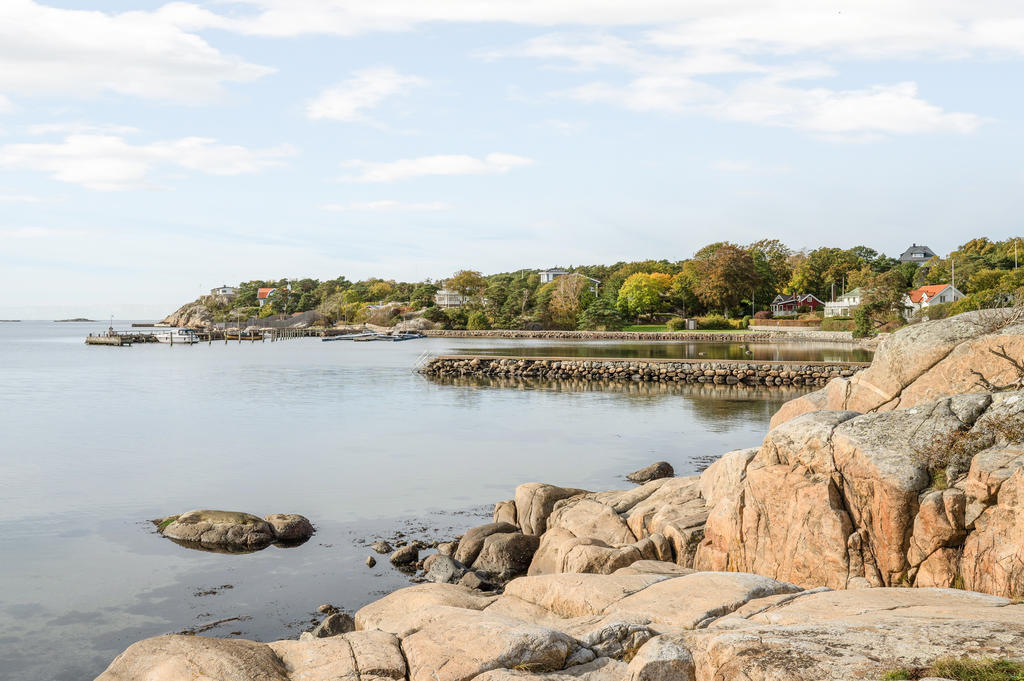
(218, 528)
(656, 471)
(234, 531)
(290, 527)
(333, 625)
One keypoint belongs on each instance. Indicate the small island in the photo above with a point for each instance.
(76, 319)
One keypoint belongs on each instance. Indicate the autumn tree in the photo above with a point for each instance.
(569, 296)
(725, 275)
(468, 283)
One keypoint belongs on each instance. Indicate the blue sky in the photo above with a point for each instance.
(150, 151)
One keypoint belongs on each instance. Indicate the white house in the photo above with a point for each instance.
(548, 276)
(921, 298)
(262, 295)
(446, 298)
(223, 290)
(844, 305)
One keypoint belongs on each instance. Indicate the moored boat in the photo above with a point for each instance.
(176, 336)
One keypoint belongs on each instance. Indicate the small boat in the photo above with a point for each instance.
(350, 336)
(406, 335)
(176, 336)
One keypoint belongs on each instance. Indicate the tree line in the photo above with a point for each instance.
(722, 279)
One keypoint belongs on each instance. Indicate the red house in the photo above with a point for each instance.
(788, 304)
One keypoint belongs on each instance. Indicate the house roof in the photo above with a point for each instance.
(793, 298)
(264, 293)
(931, 291)
(852, 293)
(928, 253)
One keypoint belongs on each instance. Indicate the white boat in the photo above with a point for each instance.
(176, 336)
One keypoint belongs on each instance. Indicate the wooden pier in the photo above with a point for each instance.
(258, 335)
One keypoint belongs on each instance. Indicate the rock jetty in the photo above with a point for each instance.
(649, 370)
(788, 561)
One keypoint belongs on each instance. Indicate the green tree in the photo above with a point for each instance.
(477, 321)
(772, 263)
(883, 300)
(601, 315)
(423, 295)
(641, 294)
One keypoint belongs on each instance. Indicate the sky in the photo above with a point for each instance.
(150, 151)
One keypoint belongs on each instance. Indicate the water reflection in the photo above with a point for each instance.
(233, 548)
(716, 407)
(768, 352)
(639, 389)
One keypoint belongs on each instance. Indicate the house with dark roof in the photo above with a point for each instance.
(790, 303)
(918, 254)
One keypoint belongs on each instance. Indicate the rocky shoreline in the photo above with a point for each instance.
(758, 336)
(646, 370)
(789, 561)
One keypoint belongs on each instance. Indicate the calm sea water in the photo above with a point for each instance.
(96, 441)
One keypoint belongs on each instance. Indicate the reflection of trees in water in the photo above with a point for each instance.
(767, 352)
(712, 401)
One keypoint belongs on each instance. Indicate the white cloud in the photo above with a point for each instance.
(108, 163)
(349, 100)
(763, 94)
(48, 50)
(6, 106)
(881, 109)
(447, 164)
(386, 206)
(866, 28)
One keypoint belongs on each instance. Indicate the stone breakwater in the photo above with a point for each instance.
(754, 335)
(647, 370)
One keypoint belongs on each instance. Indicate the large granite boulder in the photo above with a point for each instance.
(534, 502)
(473, 541)
(505, 555)
(922, 363)
(843, 499)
